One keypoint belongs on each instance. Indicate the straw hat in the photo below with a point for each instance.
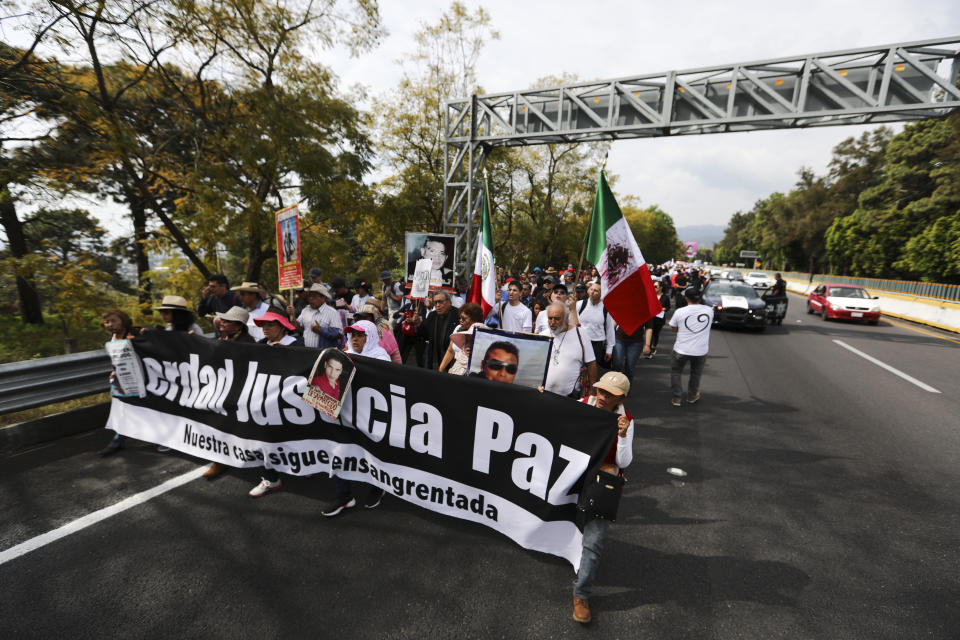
(250, 287)
(322, 290)
(173, 303)
(235, 314)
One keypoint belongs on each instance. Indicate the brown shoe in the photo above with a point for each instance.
(693, 399)
(581, 610)
(215, 469)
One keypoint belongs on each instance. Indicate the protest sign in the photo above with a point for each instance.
(127, 379)
(330, 380)
(528, 354)
(505, 456)
(440, 249)
(289, 270)
(420, 285)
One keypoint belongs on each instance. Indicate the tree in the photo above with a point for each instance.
(655, 232)
(410, 124)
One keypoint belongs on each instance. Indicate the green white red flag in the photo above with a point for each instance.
(625, 283)
(483, 288)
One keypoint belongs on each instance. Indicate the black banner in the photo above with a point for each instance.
(504, 455)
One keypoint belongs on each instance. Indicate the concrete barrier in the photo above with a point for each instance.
(54, 427)
(935, 313)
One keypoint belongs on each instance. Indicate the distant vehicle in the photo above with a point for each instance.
(735, 304)
(758, 280)
(844, 302)
(732, 274)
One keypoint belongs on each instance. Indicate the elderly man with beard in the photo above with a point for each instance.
(570, 352)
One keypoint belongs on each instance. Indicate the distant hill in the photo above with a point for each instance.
(706, 234)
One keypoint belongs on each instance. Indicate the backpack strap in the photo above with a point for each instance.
(583, 305)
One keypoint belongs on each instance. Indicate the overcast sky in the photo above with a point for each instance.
(696, 179)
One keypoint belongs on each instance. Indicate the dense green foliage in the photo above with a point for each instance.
(201, 119)
(888, 207)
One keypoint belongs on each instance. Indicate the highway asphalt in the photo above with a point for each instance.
(822, 501)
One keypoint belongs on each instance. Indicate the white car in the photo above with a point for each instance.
(758, 280)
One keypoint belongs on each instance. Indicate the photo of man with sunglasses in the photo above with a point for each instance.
(500, 362)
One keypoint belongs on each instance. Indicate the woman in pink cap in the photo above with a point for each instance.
(275, 327)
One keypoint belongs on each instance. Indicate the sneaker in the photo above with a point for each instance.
(581, 610)
(676, 402)
(373, 498)
(264, 488)
(693, 399)
(338, 505)
(214, 470)
(110, 449)
(653, 351)
(162, 449)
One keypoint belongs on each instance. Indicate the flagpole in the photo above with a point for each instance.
(583, 247)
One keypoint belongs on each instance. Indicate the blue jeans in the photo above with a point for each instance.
(625, 356)
(677, 363)
(594, 533)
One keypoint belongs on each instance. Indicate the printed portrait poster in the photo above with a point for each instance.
(439, 249)
(690, 249)
(289, 271)
(510, 356)
(330, 380)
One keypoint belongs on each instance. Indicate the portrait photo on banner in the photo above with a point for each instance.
(330, 379)
(289, 236)
(510, 356)
(439, 248)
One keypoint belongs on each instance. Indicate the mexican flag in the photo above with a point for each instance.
(625, 282)
(483, 288)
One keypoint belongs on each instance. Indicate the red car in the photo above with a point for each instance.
(844, 301)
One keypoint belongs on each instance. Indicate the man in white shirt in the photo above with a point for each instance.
(361, 297)
(597, 324)
(692, 325)
(320, 323)
(249, 293)
(569, 354)
(392, 296)
(557, 294)
(514, 316)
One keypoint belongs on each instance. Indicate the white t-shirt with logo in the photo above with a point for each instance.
(693, 324)
(566, 357)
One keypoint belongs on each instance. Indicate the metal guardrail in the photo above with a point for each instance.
(932, 290)
(34, 383)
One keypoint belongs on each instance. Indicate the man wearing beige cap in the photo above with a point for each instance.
(251, 300)
(319, 322)
(612, 389)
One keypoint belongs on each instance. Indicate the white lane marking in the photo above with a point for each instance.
(884, 365)
(95, 517)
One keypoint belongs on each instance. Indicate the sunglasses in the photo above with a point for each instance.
(496, 365)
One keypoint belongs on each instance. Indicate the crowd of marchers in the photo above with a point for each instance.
(383, 322)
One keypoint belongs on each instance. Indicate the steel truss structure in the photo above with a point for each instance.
(907, 81)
